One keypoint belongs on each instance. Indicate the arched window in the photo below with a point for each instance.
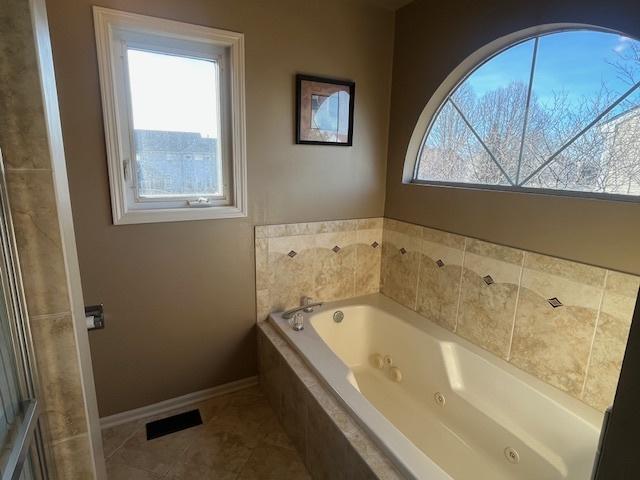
(556, 112)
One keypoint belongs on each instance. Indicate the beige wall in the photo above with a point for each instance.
(180, 297)
(430, 41)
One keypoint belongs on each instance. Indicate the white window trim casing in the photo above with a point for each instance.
(106, 21)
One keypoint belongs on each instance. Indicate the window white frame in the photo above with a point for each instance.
(458, 76)
(115, 31)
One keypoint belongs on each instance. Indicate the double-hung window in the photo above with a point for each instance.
(173, 101)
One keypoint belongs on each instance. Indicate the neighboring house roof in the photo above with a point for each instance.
(174, 142)
(632, 112)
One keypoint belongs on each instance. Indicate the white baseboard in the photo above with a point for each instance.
(178, 402)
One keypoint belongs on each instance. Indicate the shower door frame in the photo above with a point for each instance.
(28, 439)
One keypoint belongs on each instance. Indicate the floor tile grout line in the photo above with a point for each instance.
(133, 432)
(241, 469)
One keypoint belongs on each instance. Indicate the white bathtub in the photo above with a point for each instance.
(490, 407)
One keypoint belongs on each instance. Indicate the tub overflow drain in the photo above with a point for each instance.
(338, 316)
(439, 398)
(512, 455)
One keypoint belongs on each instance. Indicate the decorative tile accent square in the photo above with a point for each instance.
(375, 244)
(292, 253)
(554, 302)
(403, 251)
(336, 249)
(488, 280)
(440, 263)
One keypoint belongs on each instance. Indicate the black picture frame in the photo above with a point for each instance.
(302, 132)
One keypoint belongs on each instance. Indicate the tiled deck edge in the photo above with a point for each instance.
(312, 416)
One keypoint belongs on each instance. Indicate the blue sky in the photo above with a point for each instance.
(573, 61)
(173, 93)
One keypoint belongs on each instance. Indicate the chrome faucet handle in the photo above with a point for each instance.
(305, 302)
(297, 322)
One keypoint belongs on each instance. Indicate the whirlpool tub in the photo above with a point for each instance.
(439, 406)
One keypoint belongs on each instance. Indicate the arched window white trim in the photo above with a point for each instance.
(464, 71)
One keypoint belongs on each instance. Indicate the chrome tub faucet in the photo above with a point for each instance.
(306, 305)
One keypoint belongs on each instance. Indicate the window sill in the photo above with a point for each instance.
(131, 217)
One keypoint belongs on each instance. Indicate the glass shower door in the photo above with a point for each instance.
(21, 446)
(18, 416)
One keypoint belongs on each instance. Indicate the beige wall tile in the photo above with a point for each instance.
(572, 283)
(486, 312)
(316, 270)
(72, 459)
(263, 304)
(553, 343)
(38, 237)
(273, 231)
(312, 228)
(262, 263)
(496, 252)
(332, 239)
(401, 251)
(610, 339)
(22, 129)
(261, 231)
(370, 223)
(334, 271)
(368, 258)
(391, 225)
(439, 292)
(577, 272)
(337, 226)
(291, 278)
(59, 375)
(440, 239)
(368, 236)
(439, 286)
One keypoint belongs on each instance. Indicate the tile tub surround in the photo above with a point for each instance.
(332, 445)
(327, 261)
(497, 297)
(501, 298)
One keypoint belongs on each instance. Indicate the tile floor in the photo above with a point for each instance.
(240, 439)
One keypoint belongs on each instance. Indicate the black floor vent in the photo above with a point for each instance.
(175, 423)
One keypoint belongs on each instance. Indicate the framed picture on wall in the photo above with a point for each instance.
(324, 111)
